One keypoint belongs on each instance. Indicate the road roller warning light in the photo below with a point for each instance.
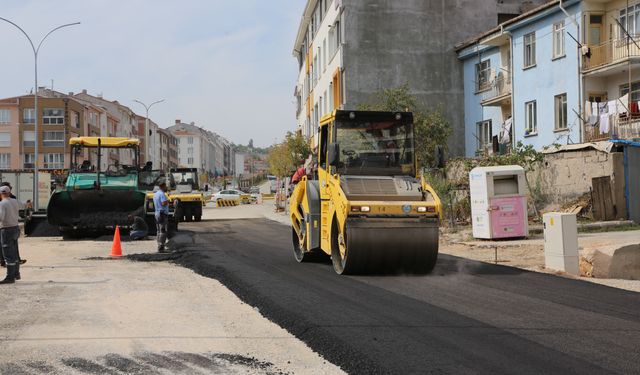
(365, 206)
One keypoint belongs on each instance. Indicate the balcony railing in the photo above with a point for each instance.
(620, 127)
(611, 52)
(498, 87)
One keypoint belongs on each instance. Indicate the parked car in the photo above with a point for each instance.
(234, 194)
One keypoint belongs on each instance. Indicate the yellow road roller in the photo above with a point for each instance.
(365, 206)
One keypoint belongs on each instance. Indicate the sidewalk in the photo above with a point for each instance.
(73, 310)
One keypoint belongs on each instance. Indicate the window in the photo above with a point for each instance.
(29, 160)
(5, 161)
(190, 151)
(635, 91)
(334, 39)
(483, 75)
(630, 20)
(5, 139)
(561, 111)
(5, 116)
(29, 116)
(530, 118)
(53, 139)
(483, 134)
(324, 55)
(93, 119)
(190, 140)
(53, 161)
(75, 119)
(558, 40)
(190, 161)
(28, 139)
(53, 116)
(530, 50)
(331, 104)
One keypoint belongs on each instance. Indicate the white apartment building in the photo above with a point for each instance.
(317, 48)
(348, 50)
(203, 149)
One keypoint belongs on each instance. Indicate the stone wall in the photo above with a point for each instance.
(565, 176)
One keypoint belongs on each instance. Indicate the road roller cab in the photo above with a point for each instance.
(364, 206)
(186, 194)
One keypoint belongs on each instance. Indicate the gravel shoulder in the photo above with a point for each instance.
(76, 312)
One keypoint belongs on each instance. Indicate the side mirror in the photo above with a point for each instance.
(334, 154)
(439, 157)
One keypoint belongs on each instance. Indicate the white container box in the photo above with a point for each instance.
(561, 242)
(498, 202)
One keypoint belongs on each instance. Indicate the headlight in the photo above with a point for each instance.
(422, 209)
(360, 208)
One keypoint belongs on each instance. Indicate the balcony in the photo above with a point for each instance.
(610, 53)
(620, 127)
(498, 91)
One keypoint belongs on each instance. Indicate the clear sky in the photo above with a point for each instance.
(224, 64)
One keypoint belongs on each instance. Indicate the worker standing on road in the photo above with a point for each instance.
(28, 205)
(161, 205)
(9, 233)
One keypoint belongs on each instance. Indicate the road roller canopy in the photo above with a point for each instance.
(105, 142)
(372, 143)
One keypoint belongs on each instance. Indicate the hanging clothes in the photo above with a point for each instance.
(604, 123)
(505, 132)
(594, 108)
(634, 107)
(622, 103)
(612, 107)
(587, 109)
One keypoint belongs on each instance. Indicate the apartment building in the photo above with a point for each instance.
(10, 134)
(152, 138)
(199, 148)
(349, 49)
(168, 150)
(121, 121)
(539, 79)
(61, 118)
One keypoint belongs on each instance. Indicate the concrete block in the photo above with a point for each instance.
(620, 261)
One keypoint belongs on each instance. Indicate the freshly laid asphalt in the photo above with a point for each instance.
(464, 318)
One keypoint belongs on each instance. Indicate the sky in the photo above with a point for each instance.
(226, 65)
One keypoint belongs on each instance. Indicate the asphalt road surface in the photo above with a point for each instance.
(464, 318)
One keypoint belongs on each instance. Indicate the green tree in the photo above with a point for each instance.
(431, 128)
(279, 160)
(298, 146)
(285, 157)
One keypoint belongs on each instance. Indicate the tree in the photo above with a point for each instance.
(250, 145)
(431, 128)
(285, 157)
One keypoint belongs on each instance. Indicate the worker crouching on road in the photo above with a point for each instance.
(161, 205)
(139, 228)
(9, 233)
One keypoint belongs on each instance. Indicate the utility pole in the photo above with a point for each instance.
(36, 50)
(146, 126)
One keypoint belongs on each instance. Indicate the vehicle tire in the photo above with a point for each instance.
(197, 212)
(187, 214)
(302, 256)
(343, 257)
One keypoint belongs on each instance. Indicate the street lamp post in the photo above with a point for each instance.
(146, 126)
(36, 50)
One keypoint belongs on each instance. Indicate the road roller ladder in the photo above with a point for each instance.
(366, 208)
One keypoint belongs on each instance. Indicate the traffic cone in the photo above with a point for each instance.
(116, 248)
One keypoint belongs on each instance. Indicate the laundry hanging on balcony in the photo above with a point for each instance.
(505, 132)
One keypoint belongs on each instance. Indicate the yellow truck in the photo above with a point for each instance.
(366, 207)
(186, 197)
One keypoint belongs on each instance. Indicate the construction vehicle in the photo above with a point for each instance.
(149, 181)
(366, 208)
(186, 195)
(95, 201)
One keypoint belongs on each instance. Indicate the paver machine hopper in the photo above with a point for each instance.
(366, 207)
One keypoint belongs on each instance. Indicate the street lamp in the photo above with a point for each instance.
(146, 126)
(36, 50)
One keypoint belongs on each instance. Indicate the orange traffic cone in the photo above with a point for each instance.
(116, 249)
